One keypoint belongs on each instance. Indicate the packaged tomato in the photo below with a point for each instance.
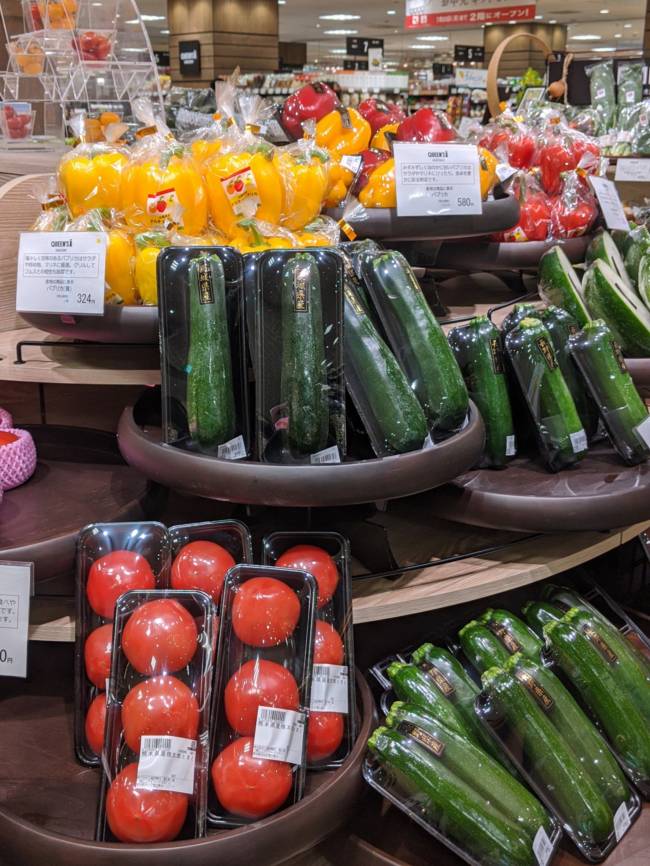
(263, 684)
(332, 723)
(155, 757)
(575, 210)
(112, 558)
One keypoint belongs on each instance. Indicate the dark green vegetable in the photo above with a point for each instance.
(481, 646)
(210, 397)
(559, 284)
(538, 613)
(512, 632)
(518, 312)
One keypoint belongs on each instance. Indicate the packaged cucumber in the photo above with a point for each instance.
(478, 350)
(482, 647)
(514, 634)
(299, 387)
(630, 83)
(418, 341)
(538, 613)
(603, 248)
(558, 284)
(561, 436)
(203, 351)
(624, 413)
(613, 300)
(602, 91)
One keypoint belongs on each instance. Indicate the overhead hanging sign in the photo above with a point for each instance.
(469, 53)
(450, 13)
(189, 57)
(358, 46)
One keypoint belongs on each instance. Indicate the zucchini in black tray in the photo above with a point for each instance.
(549, 760)
(518, 312)
(418, 341)
(599, 358)
(453, 806)
(384, 399)
(560, 433)
(514, 634)
(478, 350)
(210, 397)
(481, 646)
(538, 613)
(304, 374)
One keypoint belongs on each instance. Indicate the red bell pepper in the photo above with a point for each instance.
(555, 156)
(371, 159)
(521, 150)
(534, 212)
(311, 102)
(575, 210)
(379, 113)
(426, 125)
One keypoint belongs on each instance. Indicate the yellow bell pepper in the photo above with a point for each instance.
(252, 236)
(488, 170)
(380, 189)
(120, 268)
(379, 140)
(305, 183)
(242, 186)
(160, 189)
(92, 179)
(338, 182)
(204, 148)
(148, 246)
(343, 132)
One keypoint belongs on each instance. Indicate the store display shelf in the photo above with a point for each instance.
(384, 224)
(117, 325)
(333, 484)
(80, 478)
(486, 256)
(48, 802)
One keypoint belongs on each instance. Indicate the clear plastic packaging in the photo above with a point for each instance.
(299, 384)
(624, 413)
(111, 559)
(155, 759)
(534, 222)
(263, 688)
(203, 352)
(630, 83)
(332, 723)
(16, 120)
(304, 169)
(602, 89)
(575, 210)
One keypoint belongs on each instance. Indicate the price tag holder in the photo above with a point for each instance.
(167, 764)
(16, 580)
(61, 272)
(437, 179)
(635, 170)
(329, 689)
(279, 735)
(610, 203)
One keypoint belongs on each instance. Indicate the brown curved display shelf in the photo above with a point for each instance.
(599, 493)
(116, 325)
(48, 801)
(349, 483)
(486, 256)
(39, 520)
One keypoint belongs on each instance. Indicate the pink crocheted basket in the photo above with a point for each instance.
(17, 459)
(6, 421)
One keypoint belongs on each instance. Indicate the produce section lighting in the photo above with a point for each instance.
(627, 26)
(586, 37)
(539, 17)
(422, 47)
(602, 50)
(432, 38)
(391, 12)
(340, 32)
(337, 51)
(604, 11)
(553, 21)
(147, 18)
(618, 36)
(339, 16)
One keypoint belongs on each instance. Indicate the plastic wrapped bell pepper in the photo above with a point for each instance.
(54, 211)
(304, 171)
(379, 113)
(338, 182)
(488, 170)
(310, 102)
(256, 236)
(148, 246)
(343, 132)
(322, 232)
(120, 268)
(209, 140)
(379, 190)
(381, 139)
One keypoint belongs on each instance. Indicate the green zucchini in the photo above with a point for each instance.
(560, 432)
(558, 284)
(595, 681)
(477, 769)
(481, 646)
(451, 805)
(603, 368)
(210, 396)
(418, 342)
(610, 298)
(378, 386)
(551, 763)
(580, 735)
(538, 613)
(637, 246)
(479, 353)
(303, 371)
(643, 285)
(561, 325)
(603, 248)
(518, 312)
(512, 632)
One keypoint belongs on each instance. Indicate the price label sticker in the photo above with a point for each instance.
(167, 764)
(642, 430)
(511, 446)
(610, 203)
(621, 822)
(327, 455)
(61, 272)
(279, 735)
(436, 179)
(235, 449)
(542, 847)
(578, 441)
(329, 689)
(15, 589)
(352, 163)
(635, 170)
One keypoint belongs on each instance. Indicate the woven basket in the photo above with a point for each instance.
(17, 460)
(493, 67)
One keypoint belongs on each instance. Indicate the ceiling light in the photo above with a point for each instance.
(539, 17)
(147, 18)
(164, 32)
(432, 38)
(618, 36)
(602, 50)
(627, 26)
(338, 50)
(512, 22)
(604, 11)
(391, 12)
(422, 47)
(339, 16)
(340, 32)
(586, 37)
(553, 21)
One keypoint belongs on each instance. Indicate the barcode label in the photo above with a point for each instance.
(329, 689)
(643, 431)
(542, 847)
(621, 821)
(167, 764)
(352, 163)
(279, 735)
(578, 441)
(511, 446)
(328, 455)
(232, 450)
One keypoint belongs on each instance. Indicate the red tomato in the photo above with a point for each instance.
(324, 735)
(113, 574)
(137, 815)
(202, 565)
(316, 561)
(94, 726)
(161, 705)
(328, 646)
(97, 655)
(247, 786)
(265, 611)
(160, 637)
(258, 683)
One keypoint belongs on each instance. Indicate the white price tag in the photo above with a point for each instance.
(511, 446)
(329, 689)
(621, 822)
(578, 441)
(436, 179)
(542, 847)
(352, 163)
(610, 203)
(15, 589)
(61, 272)
(505, 171)
(279, 735)
(465, 125)
(167, 764)
(232, 450)
(327, 455)
(633, 170)
(643, 431)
